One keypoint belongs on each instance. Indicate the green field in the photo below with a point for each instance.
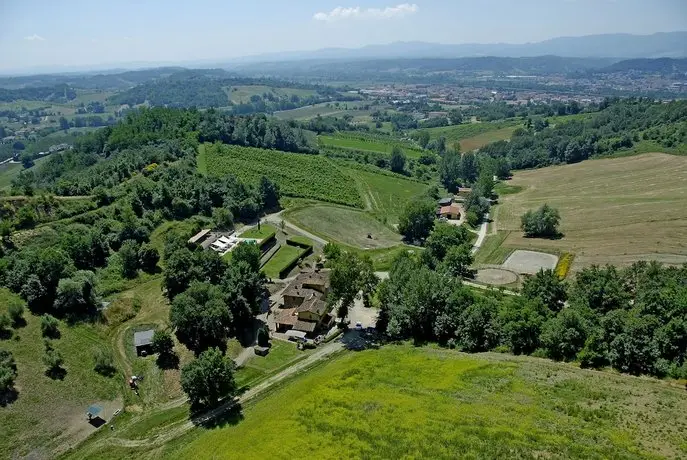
(299, 175)
(408, 402)
(385, 195)
(8, 172)
(367, 143)
(474, 135)
(285, 256)
(242, 94)
(257, 368)
(266, 231)
(45, 408)
(344, 225)
(324, 109)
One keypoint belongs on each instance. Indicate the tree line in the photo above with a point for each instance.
(633, 320)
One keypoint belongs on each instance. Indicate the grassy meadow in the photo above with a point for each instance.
(472, 136)
(385, 195)
(242, 94)
(613, 211)
(324, 109)
(407, 402)
(344, 225)
(367, 143)
(47, 412)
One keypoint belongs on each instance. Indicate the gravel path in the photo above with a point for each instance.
(481, 235)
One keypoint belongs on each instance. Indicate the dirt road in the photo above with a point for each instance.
(320, 354)
(481, 235)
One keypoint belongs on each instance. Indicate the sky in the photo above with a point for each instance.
(41, 34)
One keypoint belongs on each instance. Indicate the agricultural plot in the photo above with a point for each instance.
(8, 172)
(324, 109)
(385, 195)
(474, 135)
(242, 94)
(415, 402)
(368, 143)
(613, 211)
(344, 225)
(298, 175)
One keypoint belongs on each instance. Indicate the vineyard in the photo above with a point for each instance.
(298, 175)
(368, 143)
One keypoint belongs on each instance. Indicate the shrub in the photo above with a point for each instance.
(16, 312)
(542, 223)
(53, 361)
(472, 218)
(5, 326)
(148, 257)
(103, 362)
(162, 342)
(8, 371)
(263, 337)
(49, 326)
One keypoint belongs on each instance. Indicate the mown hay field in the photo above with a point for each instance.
(344, 225)
(409, 402)
(613, 211)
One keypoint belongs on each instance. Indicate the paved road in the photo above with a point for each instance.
(481, 235)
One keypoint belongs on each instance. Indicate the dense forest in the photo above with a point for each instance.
(57, 93)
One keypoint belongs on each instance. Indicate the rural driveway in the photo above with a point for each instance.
(277, 218)
(481, 235)
(320, 354)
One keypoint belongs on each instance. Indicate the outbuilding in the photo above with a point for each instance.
(143, 342)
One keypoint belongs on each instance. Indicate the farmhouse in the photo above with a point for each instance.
(303, 306)
(446, 201)
(451, 211)
(143, 342)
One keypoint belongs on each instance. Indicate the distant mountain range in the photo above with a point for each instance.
(618, 46)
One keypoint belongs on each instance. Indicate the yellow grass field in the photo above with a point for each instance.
(613, 211)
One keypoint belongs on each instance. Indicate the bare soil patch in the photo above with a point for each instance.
(530, 262)
(496, 276)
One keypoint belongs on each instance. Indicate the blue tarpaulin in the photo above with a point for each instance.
(94, 410)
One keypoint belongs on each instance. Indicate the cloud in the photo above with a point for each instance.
(340, 13)
(34, 37)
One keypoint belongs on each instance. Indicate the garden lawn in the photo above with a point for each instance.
(409, 402)
(266, 231)
(285, 256)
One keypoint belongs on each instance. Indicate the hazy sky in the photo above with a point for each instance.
(45, 33)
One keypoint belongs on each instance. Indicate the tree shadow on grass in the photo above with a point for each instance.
(5, 334)
(57, 373)
(8, 396)
(19, 323)
(232, 416)
(358, 340)
(557, 236)
(167, 361)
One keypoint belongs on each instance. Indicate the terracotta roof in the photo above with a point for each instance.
(299, 291)
(452, 209)
(305, 326)
(286, 316)
(313, 305)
